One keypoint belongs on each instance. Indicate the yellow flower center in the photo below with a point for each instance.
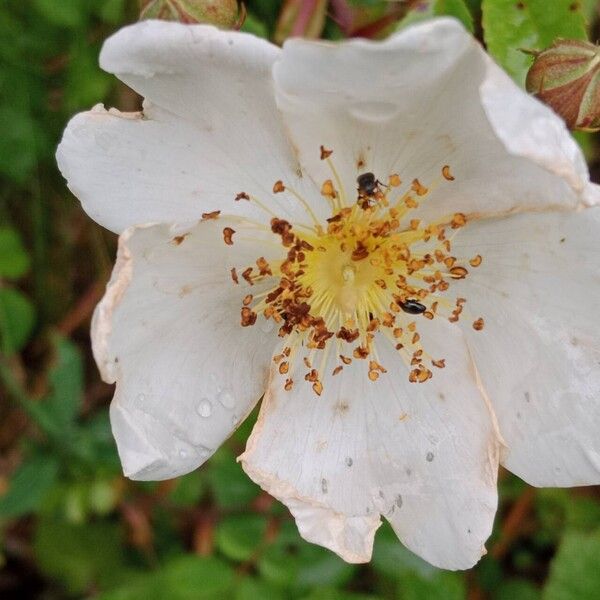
(369, 271)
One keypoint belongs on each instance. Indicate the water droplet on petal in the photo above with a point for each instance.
(141, 398)
(226, 399)
(204, 408)
(182, 453)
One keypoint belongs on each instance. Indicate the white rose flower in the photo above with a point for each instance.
(390, 240)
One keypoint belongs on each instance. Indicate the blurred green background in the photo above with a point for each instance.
(70, 525)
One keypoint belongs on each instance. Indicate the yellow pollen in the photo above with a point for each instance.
(367, 275)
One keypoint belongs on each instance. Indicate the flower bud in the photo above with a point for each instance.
(223, 13)
(566, 76)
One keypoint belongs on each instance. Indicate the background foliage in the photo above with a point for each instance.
(70, 525)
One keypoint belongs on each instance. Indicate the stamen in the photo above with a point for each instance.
(367, 273)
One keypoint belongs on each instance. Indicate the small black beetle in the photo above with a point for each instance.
(412, 307)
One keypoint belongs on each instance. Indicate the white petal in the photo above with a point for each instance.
(168, 332)
(423, 456)
(426, 97)
(210, 130)
(538, 291)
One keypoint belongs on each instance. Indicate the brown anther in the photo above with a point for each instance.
(345, 359)
(381, 283)
(375, 366)
(228, 235)
(360, 252)
(284, 367)
(415, 338)
(478, 324)
(418, 188)
(373, 375)
(325, 153)
(449, 261)
(242, 196)
(458, 272)
(289, 383)
(394, 180)
(337, 370)
(234, 275)
(328, 190)
(476, 260)
(414, 224)
(440, 364)
(399, 346)
(428, 315)
(312, 375)
(248, 317)
(307, 362)
(348, 335)
(410, 202)
(263, 266)
(179, 239)
(398, 332)
(247, 300)
(388, 319)
(247, 275)
(373, 325)
(360, 352)
(278, 187)
(420, 375)
(458, 220)
(317, 388)
(446, 173)
(211, 215)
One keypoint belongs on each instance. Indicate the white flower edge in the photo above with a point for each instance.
(168, 332)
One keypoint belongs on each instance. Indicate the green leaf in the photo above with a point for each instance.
(329, 593)
(188, 489)
(196, 578)
(66, 383)
(80, 556)
(511, 25)
(231, 487)
(443, 586)
(253, 589)
(17, 318)
(21, 143)
(238, 536)
(184, 578)
(28, 486)
(291, 562)
(440, 8)
(392, 559)
(14, 260)
(574, 574)
(69, 13)
(516, 589)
